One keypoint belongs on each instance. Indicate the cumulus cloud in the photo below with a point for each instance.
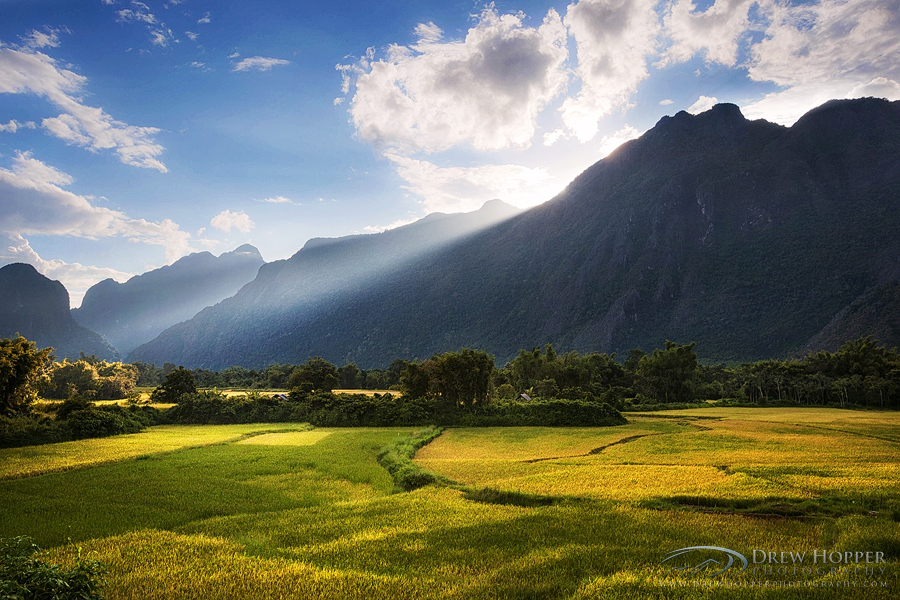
(823, 50)
(703, 104)
(880, 87)
(614, 140)
(13, 126)
(259, 63)
(485, 90)
(614, 39)
(23, 71)
(716, 30)
(461, 189)
(205, 19)
(227, 220)
(33, 201)
(77, 278)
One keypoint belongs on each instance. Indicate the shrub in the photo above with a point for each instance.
(24, 576)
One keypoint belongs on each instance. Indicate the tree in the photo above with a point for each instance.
(317, 374)
(668, 375)
(461, 378)
(178, 382)
(69, 379)
(21, 369)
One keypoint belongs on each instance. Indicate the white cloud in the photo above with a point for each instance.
(191, 35)
(24, 72)
(77, 278)
(205, 19)
(703, 104)
(821, 51)
(461, 189)
(614, 140)
(33, 201)
(485, 90)
(278, 200)
(666, 102)
(613, 40)
(716, 30)
(259, 63)
(227, 220)
(394, 225)
(880, 87)
(36, 39)
(13, 126)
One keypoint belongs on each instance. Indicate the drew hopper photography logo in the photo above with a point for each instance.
(708, 567)
(810, 568)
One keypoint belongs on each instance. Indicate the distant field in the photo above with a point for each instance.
(272, 511)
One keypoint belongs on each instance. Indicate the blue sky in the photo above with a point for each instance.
(133, 133)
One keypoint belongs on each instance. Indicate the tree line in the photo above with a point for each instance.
(539, 386)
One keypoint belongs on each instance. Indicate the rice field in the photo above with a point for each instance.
(283, 511)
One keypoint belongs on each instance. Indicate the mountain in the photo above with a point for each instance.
(747, 237)
(131, 313)
(321, 272)
(38, 309)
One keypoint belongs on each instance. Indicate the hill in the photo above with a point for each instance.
(747, 237)
(131, 313)
(38, 308)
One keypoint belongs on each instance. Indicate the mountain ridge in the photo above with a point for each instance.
(37, 308)
(131, 313)
(745, 236)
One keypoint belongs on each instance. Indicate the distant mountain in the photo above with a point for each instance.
(323, 271)
(752, 239)
(131, 313)
(38, 308)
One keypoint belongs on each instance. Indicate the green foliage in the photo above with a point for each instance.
(669, 375)
(316, 375)
(451, 379)
(397, 459)
(30, 430)
(177, 383)
(23, 576)
(358, 410)
(21, 369)
(550, 413)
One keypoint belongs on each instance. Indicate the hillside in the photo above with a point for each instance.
(131, 313)
(744, 236)
(38, 308)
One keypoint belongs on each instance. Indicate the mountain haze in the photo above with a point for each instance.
(752, 239)
(38, 309)
(131, 313)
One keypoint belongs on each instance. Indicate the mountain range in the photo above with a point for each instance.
(37, 308)
(752, 239)
(132, 313)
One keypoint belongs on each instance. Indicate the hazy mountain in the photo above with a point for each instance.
(131, 313)
(750, 238)
(324, 270)
(38, 308)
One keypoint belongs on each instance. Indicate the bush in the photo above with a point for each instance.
(22, 576)
(551, 413)
(397, 460)
(30, 430)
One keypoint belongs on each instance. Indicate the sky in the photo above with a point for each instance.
(134, 133)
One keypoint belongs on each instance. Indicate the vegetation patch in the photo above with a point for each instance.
(397, 459)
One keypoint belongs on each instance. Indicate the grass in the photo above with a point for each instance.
(264, 511)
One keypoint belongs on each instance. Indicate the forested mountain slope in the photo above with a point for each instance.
(38, 308)
(131, 313)
(752, 239)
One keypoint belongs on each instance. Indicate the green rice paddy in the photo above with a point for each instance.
(280, 511)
